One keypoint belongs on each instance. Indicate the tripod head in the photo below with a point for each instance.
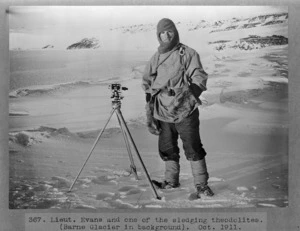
(116, 93)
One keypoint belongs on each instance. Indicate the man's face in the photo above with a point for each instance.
(166, 36)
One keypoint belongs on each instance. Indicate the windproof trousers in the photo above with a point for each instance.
(188, 131)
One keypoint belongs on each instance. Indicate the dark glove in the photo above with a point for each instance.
(152, 123)
(148, 97)
(196, 90)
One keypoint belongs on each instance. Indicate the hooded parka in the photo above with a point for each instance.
(174, 68)
(174, 79)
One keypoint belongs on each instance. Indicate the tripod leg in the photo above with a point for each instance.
(93, 147)
(132, 166)
(120, 116)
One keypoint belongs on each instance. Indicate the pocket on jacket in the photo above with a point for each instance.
(183, 103)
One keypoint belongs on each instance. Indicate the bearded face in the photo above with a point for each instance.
(166, 36)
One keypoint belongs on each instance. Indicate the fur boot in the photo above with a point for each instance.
(199, 171)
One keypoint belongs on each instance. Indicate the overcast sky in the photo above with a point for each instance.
(59, 22)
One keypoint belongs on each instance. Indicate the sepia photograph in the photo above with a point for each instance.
(148, 107)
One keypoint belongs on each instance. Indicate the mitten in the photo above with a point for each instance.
(152, 123)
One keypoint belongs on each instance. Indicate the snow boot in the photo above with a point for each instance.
(172, 172)
(200, 174)
(172, 169)
(164, 185)
(205, 190)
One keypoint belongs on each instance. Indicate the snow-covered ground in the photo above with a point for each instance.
(59, 100)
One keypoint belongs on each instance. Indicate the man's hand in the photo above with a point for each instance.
(196, 90)
(148, 97)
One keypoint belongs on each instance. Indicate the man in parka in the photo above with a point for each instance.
(173, 80)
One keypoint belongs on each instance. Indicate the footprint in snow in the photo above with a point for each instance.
(126, 188)
(134, 191)
(104, 180)
(60, 182)
(104, 196)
